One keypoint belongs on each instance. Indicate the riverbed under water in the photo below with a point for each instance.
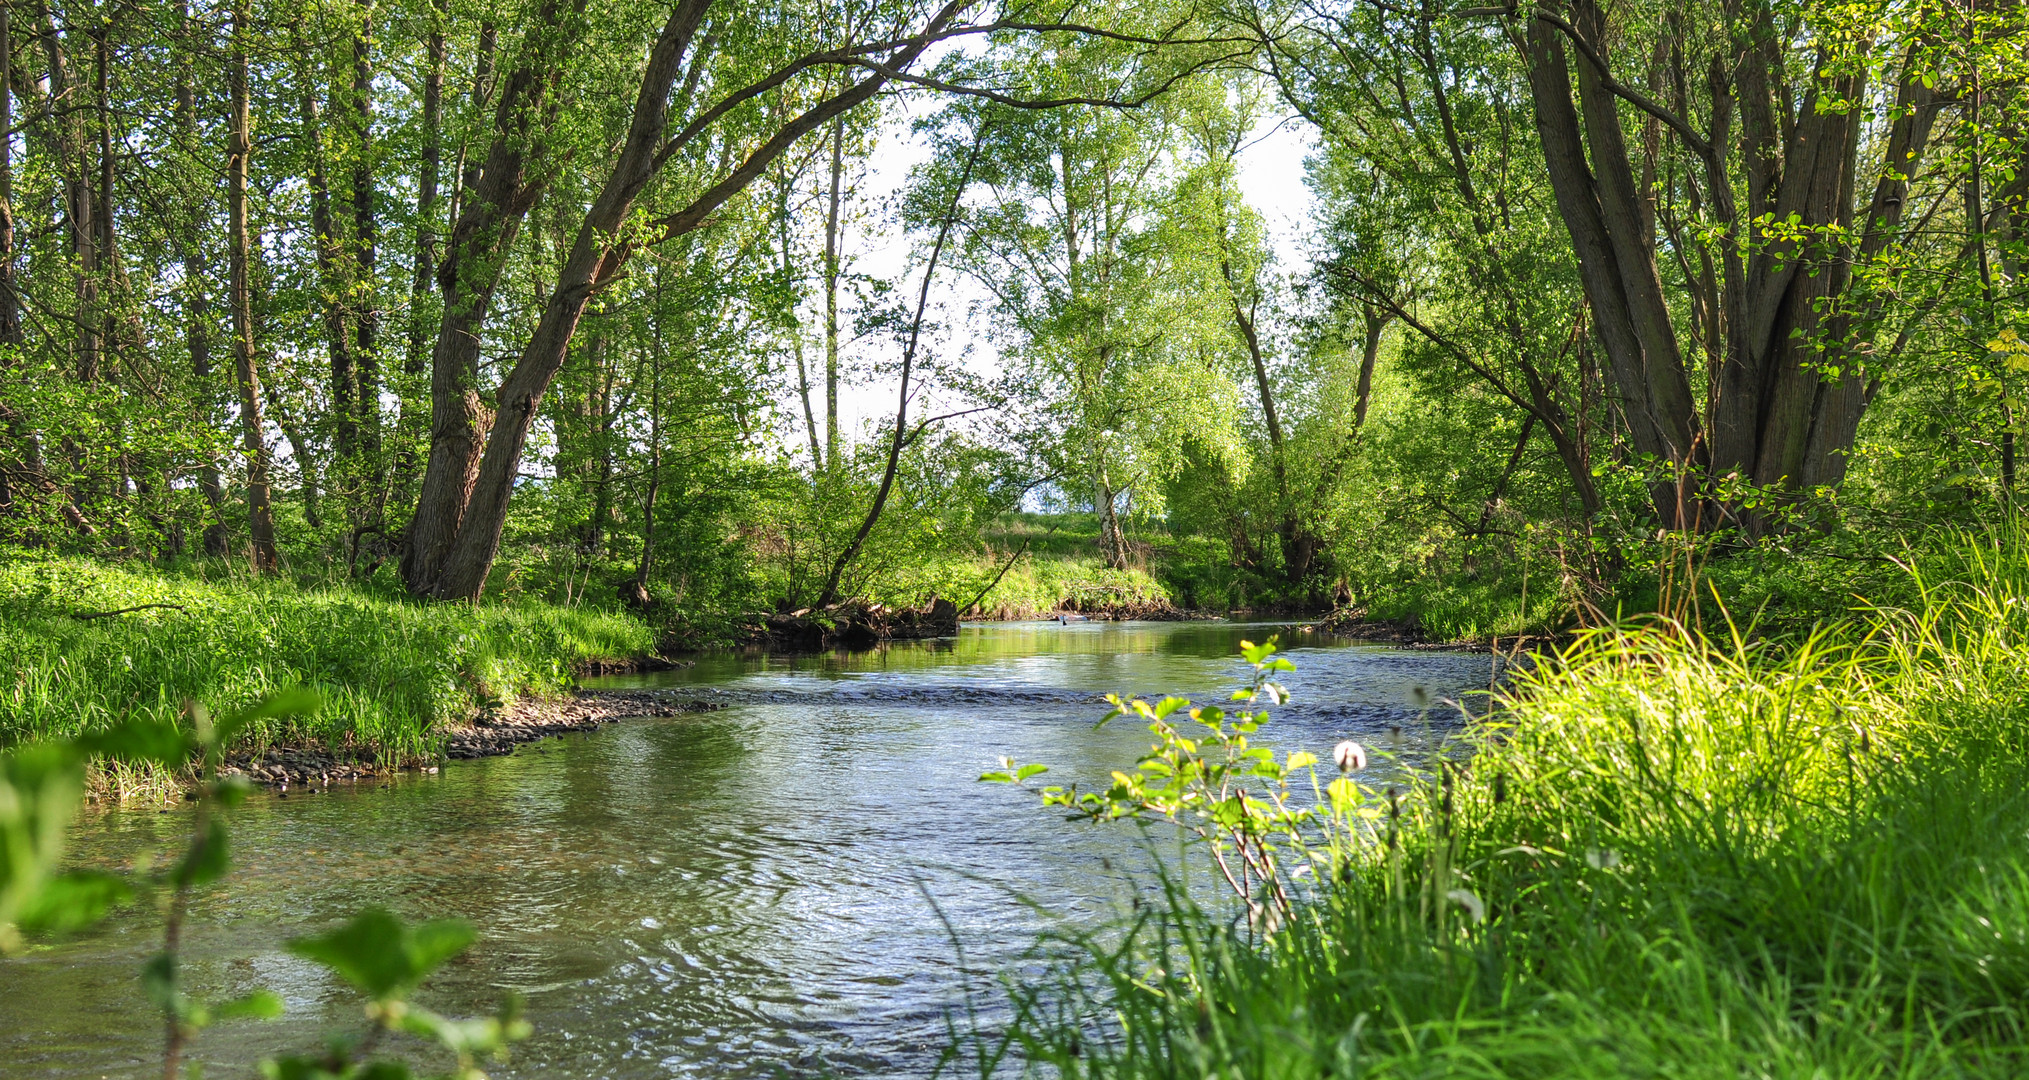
(748, 892)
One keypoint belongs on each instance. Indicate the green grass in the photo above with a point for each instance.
(395, 672)
(1803, 857)
(1034, 585)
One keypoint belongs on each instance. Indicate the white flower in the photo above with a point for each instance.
(1473, 905)
(1350, 756)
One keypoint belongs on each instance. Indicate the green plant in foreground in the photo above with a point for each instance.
(376, 953)
(1661, 856)
(1232, 796)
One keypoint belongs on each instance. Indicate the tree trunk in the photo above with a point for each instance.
(78, 201)
(833, 240)
(260, 511)
(197, 314)
(309, 486)
(796, 332)
(1112, 540)
(10, 298)
(900, 437)
(334, 285)
(1776, 418)
(596, 255)
(489, 216)
(640, 592)
(416, 361)
(1370, 354)
(1626, 300)
(10, 301)
(599, 422)
(365, 297)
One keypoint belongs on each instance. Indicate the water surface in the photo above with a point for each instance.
(741, 893)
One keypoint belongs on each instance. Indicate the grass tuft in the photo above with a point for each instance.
(1696, 858)
(395, 672)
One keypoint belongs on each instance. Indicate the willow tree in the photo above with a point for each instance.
(1439, 215)
(1782, 158)
(1119, 358)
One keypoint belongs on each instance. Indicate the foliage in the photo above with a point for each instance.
(1662, 853)
(395, 671)
(375, 952)
(1230, 795)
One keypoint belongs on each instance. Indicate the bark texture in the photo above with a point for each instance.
(1789, 333)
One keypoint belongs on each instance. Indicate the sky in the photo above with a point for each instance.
(1271, 177)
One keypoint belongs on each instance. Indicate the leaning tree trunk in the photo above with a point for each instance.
(488, 220)
(598, 253)
(900, 437)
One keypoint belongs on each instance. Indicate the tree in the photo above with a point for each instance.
(1790, 250)
(1119, 366)
(1440, 215)
(458, 525)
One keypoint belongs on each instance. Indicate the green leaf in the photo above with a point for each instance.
(297, 1068)
(382, 957)
(207, 859)
(259, 1005)
(1027, 771)
(73, 901)
(39, 790)
(141, 739)
(1344, 794)
(230, 791)
(158, 982)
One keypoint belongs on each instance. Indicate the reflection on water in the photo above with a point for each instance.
(745, 892)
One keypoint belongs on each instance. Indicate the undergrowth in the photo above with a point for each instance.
(393, 672)
(1667, 855)
(1024, 583)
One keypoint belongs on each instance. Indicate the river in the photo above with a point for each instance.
(746, 892)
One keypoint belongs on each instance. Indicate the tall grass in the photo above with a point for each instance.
(1666, 856)
(394, 672)
(1024, 584)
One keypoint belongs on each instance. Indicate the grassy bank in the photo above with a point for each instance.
(394, 671)
(1667, 857)
(1032, 586)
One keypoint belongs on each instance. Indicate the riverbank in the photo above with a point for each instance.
(1669, 854)
(83, 642)
(311, 768)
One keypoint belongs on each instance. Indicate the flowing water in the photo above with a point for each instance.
(776, 888)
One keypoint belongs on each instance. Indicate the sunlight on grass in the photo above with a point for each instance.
(1710, 858)
(394, 671)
